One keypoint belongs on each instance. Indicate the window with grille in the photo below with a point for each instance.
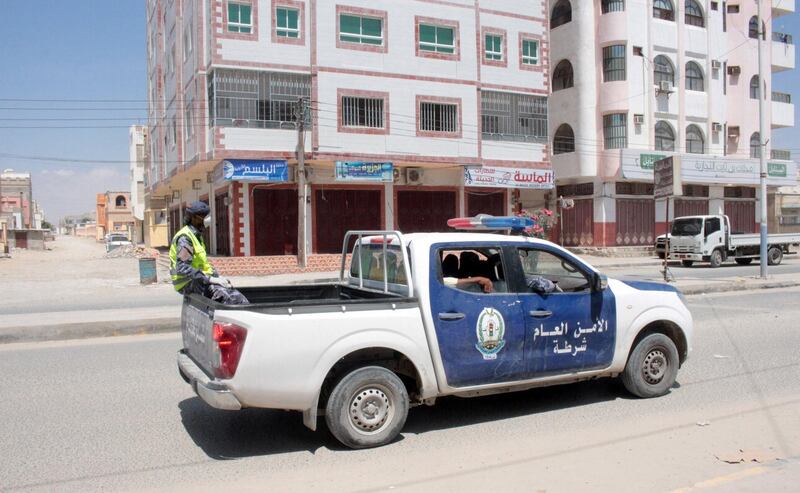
(187, 43)
(755, 89)
(287, 22)
(514, 117)
(694, 77)
(695, 144)
(663, 70)
(562, 14)
(530, 52)
(362, 112)
(615, 131)
(693, 14)
(438, 39)
(665, 137)
(755, 145)
(493, 47)
(438, 117)
(188, 123)
(753, 28)
(613, 63)
(562, 76)
(245, 98)
(360, 29)
(613, 6)
(240, 18)
(564, 140)
(662, 9)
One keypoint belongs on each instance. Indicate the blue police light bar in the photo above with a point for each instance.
(494, 223)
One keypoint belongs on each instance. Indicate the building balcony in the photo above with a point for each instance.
(782, 52)
(780, 155)
(782, 7)
(782, 110)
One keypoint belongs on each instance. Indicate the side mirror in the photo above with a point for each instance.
(600, 282)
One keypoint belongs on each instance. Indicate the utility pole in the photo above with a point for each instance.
(302, 192)
(762, 145)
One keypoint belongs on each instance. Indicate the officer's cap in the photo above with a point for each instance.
(198, 209)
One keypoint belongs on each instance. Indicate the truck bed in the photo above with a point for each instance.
(740, 240)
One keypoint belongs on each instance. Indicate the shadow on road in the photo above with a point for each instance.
(226, 435)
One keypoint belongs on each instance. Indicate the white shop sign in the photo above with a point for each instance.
(496, 177)
(701, 168)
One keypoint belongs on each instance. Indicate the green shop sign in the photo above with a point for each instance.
(776, 169)
(647, 161)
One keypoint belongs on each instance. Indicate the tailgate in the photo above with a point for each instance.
(197, 321)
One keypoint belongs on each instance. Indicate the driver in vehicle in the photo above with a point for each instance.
(452, 274)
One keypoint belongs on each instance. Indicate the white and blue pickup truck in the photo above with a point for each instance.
(419, 316)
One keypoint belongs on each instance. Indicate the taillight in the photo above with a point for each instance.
(229, 339)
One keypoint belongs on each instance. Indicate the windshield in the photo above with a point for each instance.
(687, 227)
(118, 238)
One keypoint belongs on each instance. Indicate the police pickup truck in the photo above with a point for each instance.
(419, 316)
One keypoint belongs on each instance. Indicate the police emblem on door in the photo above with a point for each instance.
(490, 330)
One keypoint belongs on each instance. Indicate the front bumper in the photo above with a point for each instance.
(686, 256)
(214, 393)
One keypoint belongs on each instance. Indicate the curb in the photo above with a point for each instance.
(740, 286)
(61, 332)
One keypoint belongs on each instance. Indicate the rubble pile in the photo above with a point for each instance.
(132, 251)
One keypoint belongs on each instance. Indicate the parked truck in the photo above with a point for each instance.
(416, 317)
(710, 239)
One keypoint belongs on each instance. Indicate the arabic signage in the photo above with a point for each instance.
(706, 169)
(363, 171)
(667, 177)
(491, 176)
(255, 170)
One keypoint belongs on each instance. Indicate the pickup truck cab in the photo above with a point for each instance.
(405, 325)
(710, 239)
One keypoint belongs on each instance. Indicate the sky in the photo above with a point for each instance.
(90, 57)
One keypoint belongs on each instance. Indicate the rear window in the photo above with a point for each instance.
(374, 262)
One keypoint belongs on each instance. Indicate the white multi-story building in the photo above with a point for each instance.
(636, 81)
(137, 151)
(397, 100)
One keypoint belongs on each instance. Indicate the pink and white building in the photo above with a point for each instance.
(432, 88)
(635, 81)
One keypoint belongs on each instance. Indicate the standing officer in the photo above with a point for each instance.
(191, 272)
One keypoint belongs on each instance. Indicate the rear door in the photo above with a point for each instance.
(481, 336)
(572, 328)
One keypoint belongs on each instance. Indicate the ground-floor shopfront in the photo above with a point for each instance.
(622, 211)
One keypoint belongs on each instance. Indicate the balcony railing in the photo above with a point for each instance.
(782, 38)
(781, 97)
(781, 154)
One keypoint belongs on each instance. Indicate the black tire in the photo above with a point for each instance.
(652, 367)
(744, 261)
(687, 263)
(716, 259)
(661, 255)
(774, 256)
(367, 408)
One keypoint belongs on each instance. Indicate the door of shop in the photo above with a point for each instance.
(20, 239)
(486, 202)
(174, 221)
(338, 211)
(577, 223)
(222, 224)
(742, 214)
(421, 211)
(636, 222)
(275, 221)
(687, 207)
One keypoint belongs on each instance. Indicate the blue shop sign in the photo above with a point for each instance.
(255, 170)
(364, 171)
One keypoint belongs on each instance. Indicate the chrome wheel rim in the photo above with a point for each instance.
(655, 366)
(370, 409)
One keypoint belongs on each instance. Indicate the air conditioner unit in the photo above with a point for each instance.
(734, 70)
(665, 86)
(733, 132)
(638, 119)
(414, 176)
(716, 64)
(398, 176)
(716, 127)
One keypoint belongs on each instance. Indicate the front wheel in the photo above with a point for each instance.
(774, 256)
(652, 367)
(716, 259)
(367, 408)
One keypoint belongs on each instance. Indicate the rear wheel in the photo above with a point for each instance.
(774, 256)
(744, 261)
(652, 367)
(687, 263)
(715, 259)
(367, 408)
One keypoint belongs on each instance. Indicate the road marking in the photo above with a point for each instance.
(720, 480)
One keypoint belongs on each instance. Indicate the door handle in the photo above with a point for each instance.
(451, 316)
(540, 313)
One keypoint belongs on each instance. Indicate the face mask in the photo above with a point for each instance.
(207, 222)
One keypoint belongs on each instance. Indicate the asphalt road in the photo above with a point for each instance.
(113, 414)
(790, 265)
